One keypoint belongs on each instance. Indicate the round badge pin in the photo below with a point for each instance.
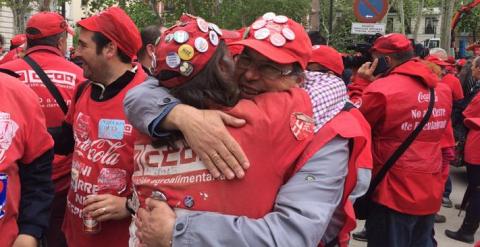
(202, 25)
(215, 28)
(288, 33)
(157, 195)
(201, 44)
(173, 60)
(280, 19)
(188, 201)
(180, 36)
(169, 38)
(259, 24)
(213, 36)
(269, 16)
(262, 33)
(186, 52)
(277, 40)
(186, 69)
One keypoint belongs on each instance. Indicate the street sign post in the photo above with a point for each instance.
(370, 11)
(368, 28)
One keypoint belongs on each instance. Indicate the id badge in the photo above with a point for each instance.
(111, 129)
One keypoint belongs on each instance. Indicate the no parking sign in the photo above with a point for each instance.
(370, 11)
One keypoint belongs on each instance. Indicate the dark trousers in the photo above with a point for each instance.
(448, 188)
(387, 227)
(473, 176)
(54, 234)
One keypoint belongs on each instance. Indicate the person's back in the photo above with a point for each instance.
(405, 98)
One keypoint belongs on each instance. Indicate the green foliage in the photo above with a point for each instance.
(140, 11)
(233, 14)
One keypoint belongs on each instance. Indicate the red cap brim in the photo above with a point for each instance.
(277, 55)
(89, 24)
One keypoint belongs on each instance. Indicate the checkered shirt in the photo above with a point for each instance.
(328, 94)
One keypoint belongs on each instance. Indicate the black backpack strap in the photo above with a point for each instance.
(403, 147)
(48, 83)
(9, 72)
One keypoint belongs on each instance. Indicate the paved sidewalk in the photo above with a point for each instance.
(459, 180)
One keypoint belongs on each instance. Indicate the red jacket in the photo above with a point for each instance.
(454, 83)
(472, 121)
(65, 75)
(11, 55)
(394, 105)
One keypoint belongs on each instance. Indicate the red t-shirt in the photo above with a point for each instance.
(102, 163)
(23, 138)
(65, 75)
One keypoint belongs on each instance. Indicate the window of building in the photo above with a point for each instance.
(430, 25)
(389, 28)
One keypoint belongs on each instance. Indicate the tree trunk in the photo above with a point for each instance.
(402, 16)
(19, 10)
(418, 19)
(447, 13)
(315, 16)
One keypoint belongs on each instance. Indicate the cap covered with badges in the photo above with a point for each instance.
(18, 40)
(392, 43)
(45, 24)
(328, 57)
(117, 26)
(279, 38)
(187, 47)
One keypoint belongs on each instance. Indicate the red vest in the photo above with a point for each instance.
(353, 126)
(394, 105)
(472, 121)
(23, 138)
(454, 83)
(65, 75)
(102, 163)
(278, 129)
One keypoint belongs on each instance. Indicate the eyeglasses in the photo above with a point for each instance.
(266, 69)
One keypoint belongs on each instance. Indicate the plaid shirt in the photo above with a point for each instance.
(328, 94)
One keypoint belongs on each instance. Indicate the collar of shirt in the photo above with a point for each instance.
(45, 48)
(101, 93)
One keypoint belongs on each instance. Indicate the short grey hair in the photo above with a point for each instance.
(439, 53)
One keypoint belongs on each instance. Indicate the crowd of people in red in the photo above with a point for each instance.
(194, 135)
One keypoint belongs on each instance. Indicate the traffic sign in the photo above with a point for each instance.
(370, 11)
(368, 28)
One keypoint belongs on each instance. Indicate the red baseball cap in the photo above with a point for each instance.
(18, 40)
(436, 61)
(45, 24)
(117, 26)
(187, 47)
(278, 38)
(328, 57)
(392, 43)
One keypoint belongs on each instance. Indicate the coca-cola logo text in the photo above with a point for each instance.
(102, 150)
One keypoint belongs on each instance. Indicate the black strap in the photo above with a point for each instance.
(48, 83)
(9, 72)
(403, 147)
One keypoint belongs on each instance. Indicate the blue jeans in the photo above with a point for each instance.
(387, 227)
